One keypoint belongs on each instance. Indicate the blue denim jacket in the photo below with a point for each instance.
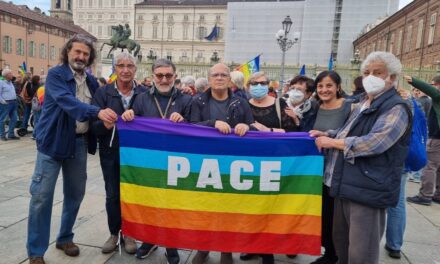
(56, 127)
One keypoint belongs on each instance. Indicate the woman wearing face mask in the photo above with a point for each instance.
(302, 108)
(332, 113)
(268, 112)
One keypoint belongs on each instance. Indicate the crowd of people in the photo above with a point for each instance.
(364, 138)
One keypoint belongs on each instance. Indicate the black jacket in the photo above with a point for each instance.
(239, 110)
(108, 97)
(145, 105)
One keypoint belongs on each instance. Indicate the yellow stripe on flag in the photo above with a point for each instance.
(292, 204)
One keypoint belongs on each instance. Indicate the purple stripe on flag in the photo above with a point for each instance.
(164, 126)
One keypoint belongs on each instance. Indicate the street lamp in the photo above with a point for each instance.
(356, 60)
(214, 57)
(285, 44)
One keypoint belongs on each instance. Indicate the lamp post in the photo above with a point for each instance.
(356, 60)
(214, 57)
(285, 44)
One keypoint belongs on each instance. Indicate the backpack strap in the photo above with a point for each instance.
(278, 109)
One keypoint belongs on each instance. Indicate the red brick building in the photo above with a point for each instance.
(32, 37)
(412, 34)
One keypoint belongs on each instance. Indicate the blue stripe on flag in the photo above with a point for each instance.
(290, 166)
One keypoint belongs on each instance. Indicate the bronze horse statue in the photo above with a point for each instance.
(121, 40)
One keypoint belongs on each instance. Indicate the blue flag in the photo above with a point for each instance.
(214, 33)
(302, 72)
(330, 62)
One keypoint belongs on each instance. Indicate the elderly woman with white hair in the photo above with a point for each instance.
(366, 160)
(8, 105)
(237, 85)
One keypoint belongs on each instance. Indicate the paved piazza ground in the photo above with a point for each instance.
(421, 246)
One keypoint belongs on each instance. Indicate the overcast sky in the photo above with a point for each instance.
(45, 4)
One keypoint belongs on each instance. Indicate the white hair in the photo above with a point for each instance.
(392, 63)
(237, 78)
(6, 72)
(125, 56)
(188, 81)
(201, 84)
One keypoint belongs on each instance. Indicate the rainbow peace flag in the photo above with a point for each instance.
(188, 186)
(249, 68)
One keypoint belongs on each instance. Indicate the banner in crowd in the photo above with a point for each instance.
(188, 186)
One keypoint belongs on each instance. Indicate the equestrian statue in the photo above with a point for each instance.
(120, 39)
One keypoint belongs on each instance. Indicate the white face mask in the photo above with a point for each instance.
(373, 85)
(295, 96)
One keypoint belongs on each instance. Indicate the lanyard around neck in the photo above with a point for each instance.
(162, 114)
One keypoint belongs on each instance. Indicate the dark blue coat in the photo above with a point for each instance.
(61, 109)
(145, 105)
(374, 180)
(109, 97)
(239, 110)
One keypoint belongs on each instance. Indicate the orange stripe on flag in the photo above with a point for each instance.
(230, 222)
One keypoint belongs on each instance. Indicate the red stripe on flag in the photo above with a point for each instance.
(224, 241)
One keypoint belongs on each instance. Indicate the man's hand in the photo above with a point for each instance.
(109, 125)
(186, 90)
(241, 129)
(107, 115)
(176, 117)
(408, 78)
(404, 94)
(324, 142)
(317, 133)
(223, 127)
(128, 115)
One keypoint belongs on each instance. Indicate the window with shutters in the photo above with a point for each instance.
(399, 42)
(408, 38)
(170, 32)
(419, 34)
(432, 23)
(20, 47)
(32, 48)
(140, 31)
(7, 44)
(155, 26)
(43, 52)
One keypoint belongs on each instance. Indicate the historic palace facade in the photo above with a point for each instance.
(412, 34)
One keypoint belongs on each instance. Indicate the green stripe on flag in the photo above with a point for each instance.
(158, 179)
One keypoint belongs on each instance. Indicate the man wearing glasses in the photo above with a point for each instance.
(163, 100)
(218, 107)
(118, 96)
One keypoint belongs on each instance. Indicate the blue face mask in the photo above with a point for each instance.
(258, 91)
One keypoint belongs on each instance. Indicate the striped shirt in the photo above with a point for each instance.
(386, 131)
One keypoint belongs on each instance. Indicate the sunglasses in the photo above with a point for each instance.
(160, 76)
(260, 83)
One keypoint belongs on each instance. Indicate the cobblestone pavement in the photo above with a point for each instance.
(421, 246)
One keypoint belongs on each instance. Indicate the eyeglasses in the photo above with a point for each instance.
(222, 75)
(260, 83)
(129, 66)
(160, 76)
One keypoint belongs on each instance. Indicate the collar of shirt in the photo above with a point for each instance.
(79, 77)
